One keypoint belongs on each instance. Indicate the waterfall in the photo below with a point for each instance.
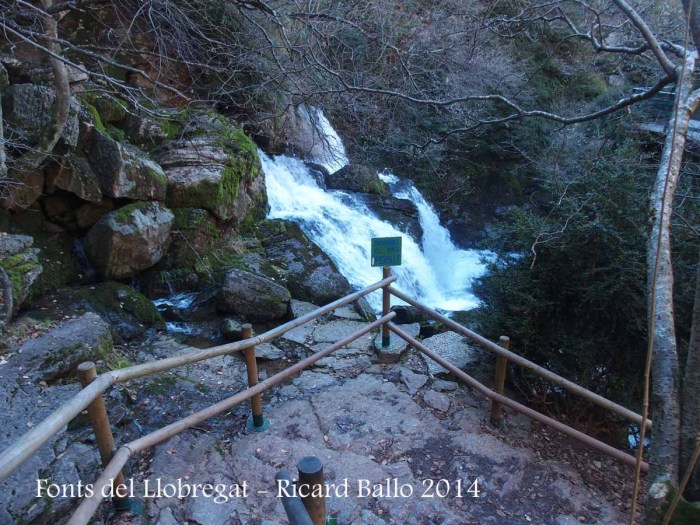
(326, 146)
(435, 271)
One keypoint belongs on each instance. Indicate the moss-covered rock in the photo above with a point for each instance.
(55, 251)
(218, 171)
(129, 239)
(195, 233)
(21, 263)
(357, 178)
(29, 107)
(124, 170)
(659, 499)
(299, 264)
(57, 353)
(253, 296)
(128, 311)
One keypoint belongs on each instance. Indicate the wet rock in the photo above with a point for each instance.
(451, 347)
(21, 263)
(437, 400)
(358, 179)
(402, 213)
(124, 171)
(397, 346)
(30, 108)
(254, 297)
(232, 330)
(408, 314)
(365, 310)
(128, 312)
(75, 174)
(319, 173)
(58, 353)
(130, 239)
(308, 273)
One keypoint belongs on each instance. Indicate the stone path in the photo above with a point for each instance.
(368, 422)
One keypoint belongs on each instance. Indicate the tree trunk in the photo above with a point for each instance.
(61, 105)
(6, 286)
(690, 399)
(692, 15)
(665, 398)
(3, 162)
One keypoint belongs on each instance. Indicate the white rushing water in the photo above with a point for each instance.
(434, 272)
(326, 146)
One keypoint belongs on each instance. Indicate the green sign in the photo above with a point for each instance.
(386, 251)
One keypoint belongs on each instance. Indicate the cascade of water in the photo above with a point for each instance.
(327, 149)
(342, 226)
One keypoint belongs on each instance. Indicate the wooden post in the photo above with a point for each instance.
(257, 422)
(103, 432)
(500, 383)
(386, 305)
(310, 481)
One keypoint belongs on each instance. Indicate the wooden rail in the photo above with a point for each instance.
(31, 441)
(113, 461)
(521, 361)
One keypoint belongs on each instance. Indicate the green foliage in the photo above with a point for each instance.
(568, 284)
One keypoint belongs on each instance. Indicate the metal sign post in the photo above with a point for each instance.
(386, 252)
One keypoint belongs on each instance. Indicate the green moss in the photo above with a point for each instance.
(256, 213)
(686, 513)
(115, 298)
(124, 215)
(162, 384)
(195, 219)
(110, 109)
(171, 128)
(115, 133)
(96, 119)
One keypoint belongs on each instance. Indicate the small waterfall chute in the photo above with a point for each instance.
(342, 226)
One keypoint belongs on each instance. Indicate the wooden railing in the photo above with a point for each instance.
(90, 397)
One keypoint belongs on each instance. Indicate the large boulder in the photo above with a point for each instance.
(57, 353)
(128, 312)
(254, 297)
(130, 239)
(452, 347)
(219, 171)
(124, 171)
(301, 265)
(21, 263)
(195, 232)
(75, 174)
(401, 213)
(23, 191)
(357, 178)
(30, 108)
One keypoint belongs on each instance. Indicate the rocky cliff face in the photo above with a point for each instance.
(136, 191)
